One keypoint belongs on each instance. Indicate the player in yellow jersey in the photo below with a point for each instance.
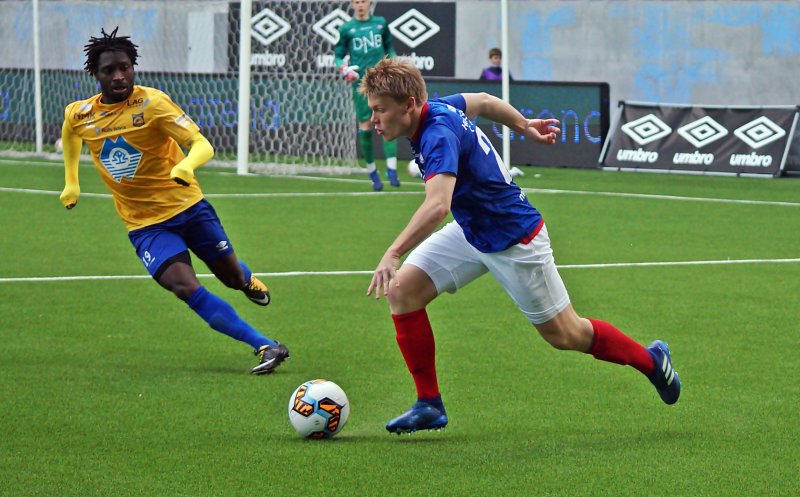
(135, 134)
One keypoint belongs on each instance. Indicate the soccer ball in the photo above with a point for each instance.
(318, 409)
(57, 146)
(413, 169)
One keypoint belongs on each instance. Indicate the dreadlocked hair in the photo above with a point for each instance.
(106, 42)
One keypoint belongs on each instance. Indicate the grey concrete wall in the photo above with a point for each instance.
(701, 52)
(678, 51)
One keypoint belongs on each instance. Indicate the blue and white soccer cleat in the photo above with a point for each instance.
(420, 416)
(392, 175)
(664, 376)
(377, 185)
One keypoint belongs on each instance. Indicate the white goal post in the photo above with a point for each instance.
(287, 111)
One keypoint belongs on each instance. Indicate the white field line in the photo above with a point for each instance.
(349, 273)
(363, 194)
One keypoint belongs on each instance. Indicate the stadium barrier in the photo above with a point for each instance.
(725, 140)
(582, 108)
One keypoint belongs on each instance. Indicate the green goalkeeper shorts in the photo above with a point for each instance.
(363, 112)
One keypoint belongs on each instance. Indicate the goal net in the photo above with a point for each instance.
(301, 116)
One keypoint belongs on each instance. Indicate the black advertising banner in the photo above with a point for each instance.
(581, 108)
(702, 139)
(423, 33)
(299, 37)
(288, 36)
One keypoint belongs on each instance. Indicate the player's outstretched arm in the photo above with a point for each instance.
(71, 147)
(488, 106)
(200, 152)
(429, 215)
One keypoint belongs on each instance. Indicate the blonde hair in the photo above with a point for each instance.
(396, 79)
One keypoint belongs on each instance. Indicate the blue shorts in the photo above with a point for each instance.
(197, 228)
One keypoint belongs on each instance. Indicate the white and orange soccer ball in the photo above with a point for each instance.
(318, 409)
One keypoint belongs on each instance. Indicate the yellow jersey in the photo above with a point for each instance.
(134, 145)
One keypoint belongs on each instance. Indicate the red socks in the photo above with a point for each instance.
(415, 338)
(612, 345)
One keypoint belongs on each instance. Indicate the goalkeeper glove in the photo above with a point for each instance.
(350, 72)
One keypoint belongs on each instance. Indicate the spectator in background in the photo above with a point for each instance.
(495, 71)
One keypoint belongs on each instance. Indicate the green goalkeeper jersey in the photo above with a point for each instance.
(367, 42)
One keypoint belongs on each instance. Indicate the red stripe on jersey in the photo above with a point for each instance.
(533, 234)
(415, 136)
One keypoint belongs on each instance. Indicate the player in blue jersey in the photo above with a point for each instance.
(495, 231)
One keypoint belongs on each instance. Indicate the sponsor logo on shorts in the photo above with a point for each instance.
(223, 245)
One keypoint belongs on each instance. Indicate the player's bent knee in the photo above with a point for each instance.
(564, 337)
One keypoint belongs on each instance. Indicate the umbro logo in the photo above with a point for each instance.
(702, 132)
(268, 26)
(759, 132)
(413, 28)
(328, 26)
(646, 129)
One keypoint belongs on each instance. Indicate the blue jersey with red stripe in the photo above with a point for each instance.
(491, 209)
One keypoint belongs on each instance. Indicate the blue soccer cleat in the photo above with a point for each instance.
(392, 175)
(377, 185)
(420, 416)
(664, 376)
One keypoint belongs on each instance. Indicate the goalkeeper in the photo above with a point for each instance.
(133, 134)
(366, 38)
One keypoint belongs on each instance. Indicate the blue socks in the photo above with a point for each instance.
(247, 273)
(223, 318)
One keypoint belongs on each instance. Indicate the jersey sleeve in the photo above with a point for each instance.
(340, 49)
(173, 121)
(388, 41)
(456, 100)
(440, 151)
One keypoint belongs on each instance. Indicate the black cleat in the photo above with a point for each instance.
(257, 291)
(270, 357)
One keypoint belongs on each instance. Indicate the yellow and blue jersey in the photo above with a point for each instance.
(134, 145)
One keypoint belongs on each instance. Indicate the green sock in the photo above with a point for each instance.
(390, 148)
(365, 141)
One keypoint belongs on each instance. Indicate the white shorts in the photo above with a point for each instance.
(527, 272)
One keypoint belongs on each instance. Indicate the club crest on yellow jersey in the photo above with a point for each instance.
(119, 158)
